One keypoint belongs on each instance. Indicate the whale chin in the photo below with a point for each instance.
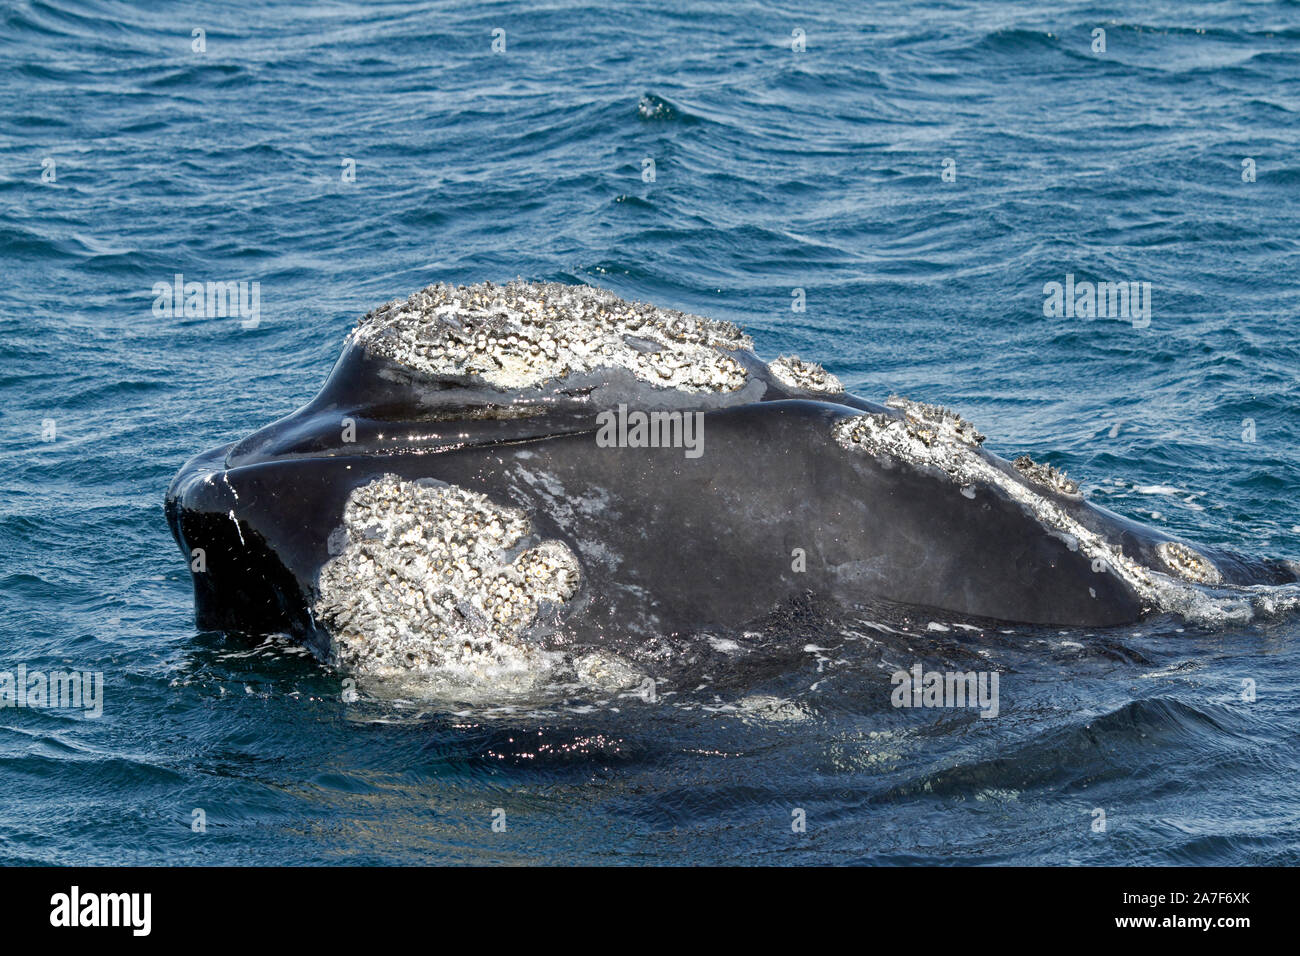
(494, 472)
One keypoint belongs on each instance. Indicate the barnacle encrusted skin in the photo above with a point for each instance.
(794, 372)
(933, 422)
(930, 437)
(1187, 563)
(524, 335)
(431, 575)
(898, 437)
(1046, 475)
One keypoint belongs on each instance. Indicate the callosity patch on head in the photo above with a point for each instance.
(934, 422)
(1046, 475)
(922, 434)
(428, 576)
(524, 335)
(1187, 563)
(793, 372)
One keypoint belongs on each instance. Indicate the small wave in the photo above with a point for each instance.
(1109, 747)
(1015, 41)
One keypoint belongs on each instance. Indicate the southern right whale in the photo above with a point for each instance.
(490, 467)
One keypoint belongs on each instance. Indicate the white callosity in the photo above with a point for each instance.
(794, 372)
(934, 422)
(434, 576)
(1046, 475)
(924, 434)
(524, 335)
(928, 436)
(1187, 564)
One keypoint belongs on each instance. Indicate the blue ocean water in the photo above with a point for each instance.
(128, 156)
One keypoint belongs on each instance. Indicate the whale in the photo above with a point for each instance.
(499, 466)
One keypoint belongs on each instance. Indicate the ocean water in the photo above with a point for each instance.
(127, 156)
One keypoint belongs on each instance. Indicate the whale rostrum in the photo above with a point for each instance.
(490, 470)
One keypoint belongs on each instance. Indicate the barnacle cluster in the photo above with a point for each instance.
(794, 372)
(1188, 564)
(1046, 475)
(922, 434)
(934, 422)
(903, 439)
(523, 335)
(425, 578)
